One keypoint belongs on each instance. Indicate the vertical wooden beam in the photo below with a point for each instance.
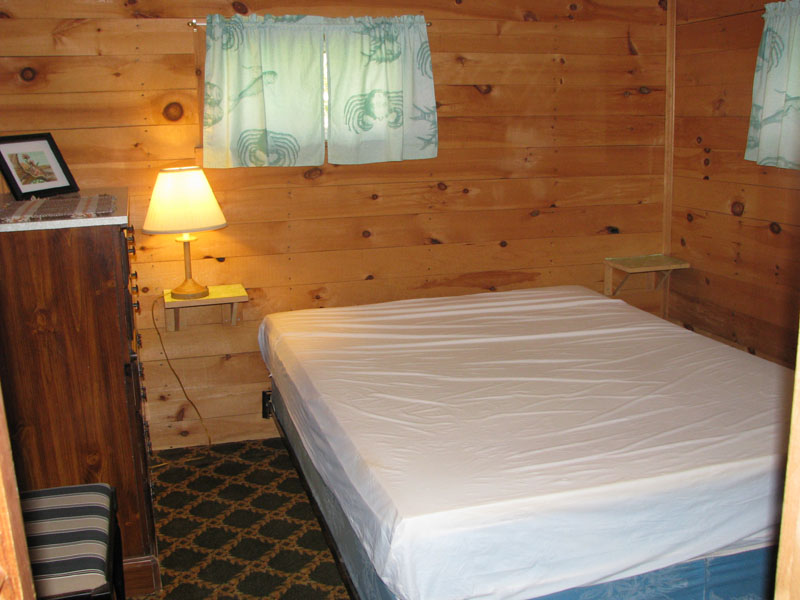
(669, 144)
(16, 581)
(787, 585)
(199, 38)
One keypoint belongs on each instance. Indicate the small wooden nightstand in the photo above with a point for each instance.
(217, 294)
(639, 264)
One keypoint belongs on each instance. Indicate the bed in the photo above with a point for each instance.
(548, 442)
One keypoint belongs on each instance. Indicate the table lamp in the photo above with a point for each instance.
(182, 202)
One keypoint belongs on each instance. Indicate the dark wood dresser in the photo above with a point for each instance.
(69, 368)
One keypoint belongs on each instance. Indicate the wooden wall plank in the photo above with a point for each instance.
(125, 144)
(180, 434)
(543, 37)
(769, 204)
(396, 231)
(729, 165)
(728, 100)
(714, 68)
(489, 99)
(48, 112)
(694, 10)
(736, 31)
(95, 37)
(375, 199)
(711, 133)
(633, 11)
(505, 132)
(57, 74)
(470, 68)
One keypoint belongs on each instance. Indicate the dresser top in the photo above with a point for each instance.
(118, 217)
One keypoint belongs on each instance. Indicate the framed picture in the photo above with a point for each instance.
(33, 166)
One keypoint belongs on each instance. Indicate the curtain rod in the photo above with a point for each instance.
(194, 24)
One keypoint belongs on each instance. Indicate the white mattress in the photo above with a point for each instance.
(509, 445)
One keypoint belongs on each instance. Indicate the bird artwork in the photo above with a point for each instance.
(32, 168)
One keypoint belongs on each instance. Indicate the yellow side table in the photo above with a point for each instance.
(639, 264)
(217, 294)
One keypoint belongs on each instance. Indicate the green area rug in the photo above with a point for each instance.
(233, 522)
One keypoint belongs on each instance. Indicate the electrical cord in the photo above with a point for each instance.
(171, 368)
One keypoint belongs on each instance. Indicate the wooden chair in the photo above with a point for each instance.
(74, 542)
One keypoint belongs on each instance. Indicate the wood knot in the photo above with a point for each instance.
(240, 7)
(441, 185)
(683, 242)
(366, 233)
(375, 196)
(612, 229)
(483, 89)
(4, 15)
(220, 259)
(699, 140)
(690, 217)
(737, 208)
(662, 4)
(173, 111)
(503, 244)
(313, 173)
(644, 90)
(529, 16)
(775, 227)
(183, 433)
(434, 241)
(573, 6)
(461, 60)
(369, 277)
(706, 161)
(707, 150)
(465, 191)
(535, 212)
(28, 74)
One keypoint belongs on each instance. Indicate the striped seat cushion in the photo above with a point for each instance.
(68, 530)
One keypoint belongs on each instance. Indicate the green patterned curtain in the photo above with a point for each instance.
(774, 136)
(264, 91)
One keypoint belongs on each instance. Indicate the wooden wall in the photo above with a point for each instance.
(552, 129)
(736, 222)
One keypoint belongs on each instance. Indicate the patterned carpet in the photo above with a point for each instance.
(233, 522)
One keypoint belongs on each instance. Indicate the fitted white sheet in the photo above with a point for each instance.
(509, 445)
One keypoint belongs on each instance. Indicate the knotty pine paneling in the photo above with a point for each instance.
(551, 158)
(735, 221)
(624, 11)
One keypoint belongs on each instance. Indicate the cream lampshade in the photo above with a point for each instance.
(182, 202)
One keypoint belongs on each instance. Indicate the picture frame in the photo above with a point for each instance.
(32, 166)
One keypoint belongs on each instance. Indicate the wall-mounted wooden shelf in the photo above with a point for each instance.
(650, 263)
(217, 294)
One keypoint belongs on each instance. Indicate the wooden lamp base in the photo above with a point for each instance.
(189, 289)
